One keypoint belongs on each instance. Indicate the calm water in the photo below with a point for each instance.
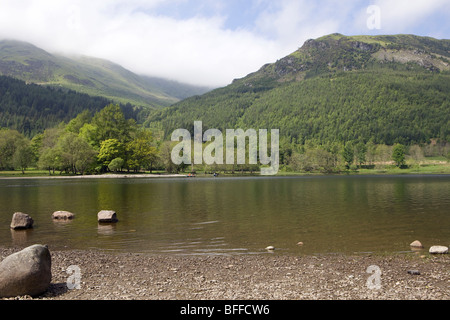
(335, 214)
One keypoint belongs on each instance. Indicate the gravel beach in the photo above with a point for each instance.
(117, 276)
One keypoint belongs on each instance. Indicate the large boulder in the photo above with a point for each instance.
(438, 250)
(107, 216)
(21, 220)
(27, 272)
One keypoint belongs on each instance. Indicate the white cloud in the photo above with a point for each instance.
(195, 48)
(401, 16)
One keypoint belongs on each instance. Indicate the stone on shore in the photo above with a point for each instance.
(21, 220)
(439, 250)
(62, 215)
(107, 216)
(27, 272)
(416, 244)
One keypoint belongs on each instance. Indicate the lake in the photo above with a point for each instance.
(239, 215)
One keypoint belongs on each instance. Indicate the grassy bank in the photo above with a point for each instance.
(429, 166)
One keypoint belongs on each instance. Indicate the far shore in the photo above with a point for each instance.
(96, 176)
(228, 175)
(430, 168)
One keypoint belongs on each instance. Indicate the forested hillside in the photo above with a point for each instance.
(30, 108)
(386, 89)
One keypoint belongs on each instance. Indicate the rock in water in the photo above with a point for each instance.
(438, 250)
(416, 244)
(62, 215)
(107, 216)
(21, 220)
(27, 272)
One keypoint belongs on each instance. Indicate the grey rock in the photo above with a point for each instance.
(27, 272)
(21, 220)
(438, 250)
(414, 272)
(416, 244)
(107, 216)
(62, 215)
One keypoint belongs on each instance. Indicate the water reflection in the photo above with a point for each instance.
(234, 215)
(20, 237)
(106, 229)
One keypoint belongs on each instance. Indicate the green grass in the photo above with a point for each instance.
(28, 173)
(424, 169)
(428, 167)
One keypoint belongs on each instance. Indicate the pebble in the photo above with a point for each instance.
(414, 272)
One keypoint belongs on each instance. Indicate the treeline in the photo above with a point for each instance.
(332, 158)
(30, 108)
(105, 141)
(339, 157)
(108, 142)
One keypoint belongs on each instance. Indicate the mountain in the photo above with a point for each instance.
(384, 89)
(31, 108)
(89, 75)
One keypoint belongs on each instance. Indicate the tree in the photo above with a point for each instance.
(116, 164)
(89, 133)
(361, 151)
(398, 155)
(416, 153)
(50, 137)
(77, 123)
(110, 123)
(23, 156)
(76, 154)
(50, 159)
(348, 154)
(36, 146)
(383, 154)
(371, 152)
(141, 152)
(10, 140)
(166, 158)
(109, 150)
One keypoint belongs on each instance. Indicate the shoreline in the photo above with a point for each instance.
(98, 176)
(132, 276)
(287, 175)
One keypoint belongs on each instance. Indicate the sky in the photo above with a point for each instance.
(208, 42)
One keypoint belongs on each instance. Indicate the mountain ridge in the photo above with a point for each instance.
(93, 76)
(338, 52)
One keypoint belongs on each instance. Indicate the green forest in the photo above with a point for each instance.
(381, 105)
(108, 142)
(31, 108)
